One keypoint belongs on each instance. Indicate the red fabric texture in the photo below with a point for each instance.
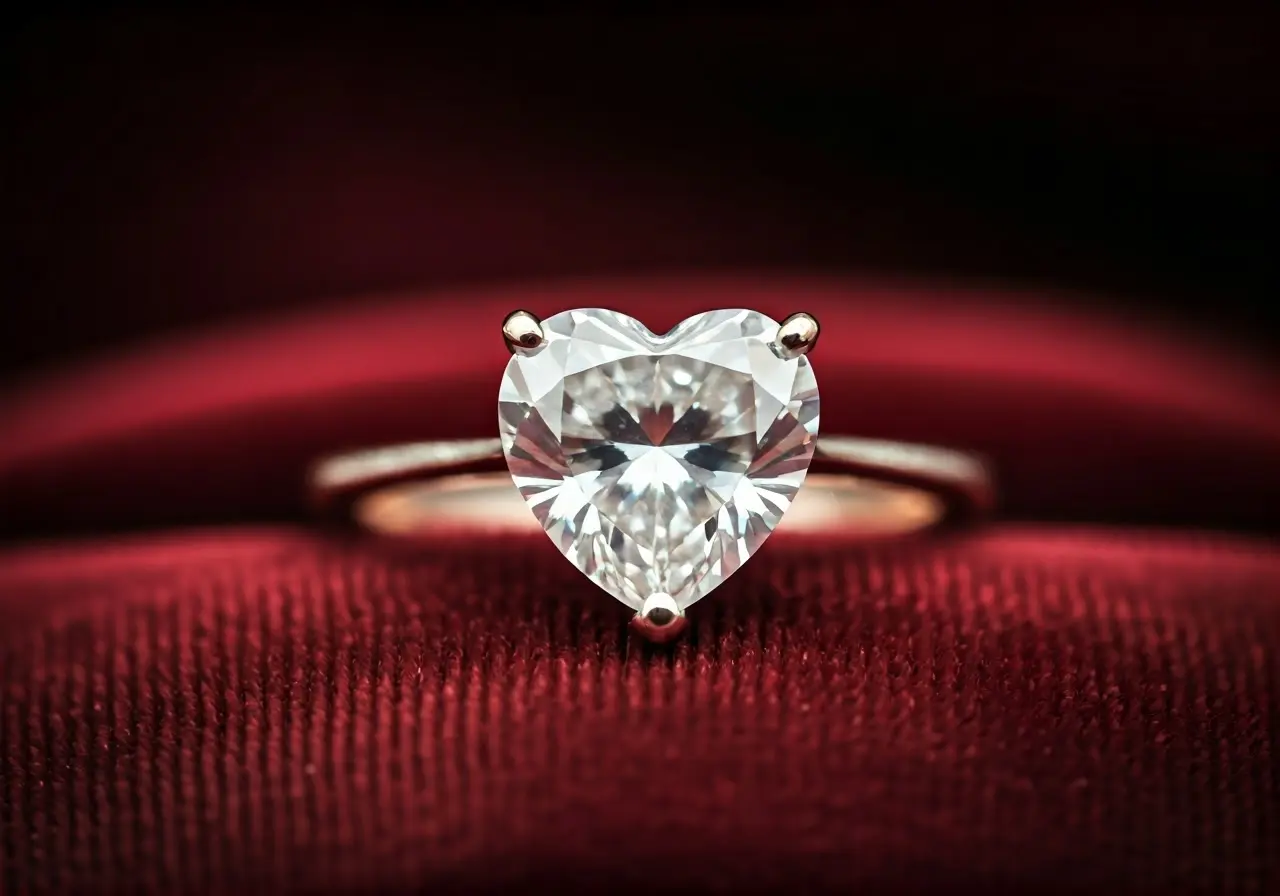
(256, 703)
(1018, 709)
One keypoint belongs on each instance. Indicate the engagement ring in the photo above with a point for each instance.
(657, 464)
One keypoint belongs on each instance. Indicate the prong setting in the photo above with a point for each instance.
(797, 335)
(522, 331)
(660, 619)
(559, 409)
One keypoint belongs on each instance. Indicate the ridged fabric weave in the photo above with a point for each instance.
(1023, 709)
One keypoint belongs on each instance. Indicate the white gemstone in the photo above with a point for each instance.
(658, 464)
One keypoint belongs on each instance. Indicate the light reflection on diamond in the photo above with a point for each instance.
(658, 464)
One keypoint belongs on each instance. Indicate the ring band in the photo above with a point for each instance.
(657, 464)
(869, 487)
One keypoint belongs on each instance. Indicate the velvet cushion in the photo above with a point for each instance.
(1027, 707)
(1084, 417)
(1041, 703)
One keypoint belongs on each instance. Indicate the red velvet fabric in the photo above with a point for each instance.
(1036, 705)
(1019, 709)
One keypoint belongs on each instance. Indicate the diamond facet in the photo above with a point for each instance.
(658, 464)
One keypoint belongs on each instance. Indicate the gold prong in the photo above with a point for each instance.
(522, 331)
(660, 619)
(798, 334)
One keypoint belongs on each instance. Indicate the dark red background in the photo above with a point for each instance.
(170, 168)
(235, 241)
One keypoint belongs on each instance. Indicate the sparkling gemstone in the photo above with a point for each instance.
(658, 464)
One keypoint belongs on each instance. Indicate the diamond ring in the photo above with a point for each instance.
(657, 464)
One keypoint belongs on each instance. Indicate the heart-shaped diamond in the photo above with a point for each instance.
(658, 464)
